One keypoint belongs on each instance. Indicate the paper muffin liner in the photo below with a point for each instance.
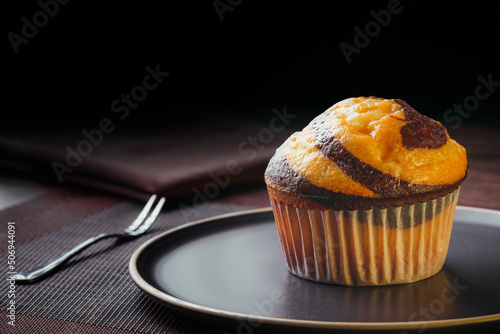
(366, 247)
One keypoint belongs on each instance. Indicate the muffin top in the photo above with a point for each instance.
(366, 151)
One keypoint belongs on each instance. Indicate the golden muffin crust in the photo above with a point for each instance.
(367, 151)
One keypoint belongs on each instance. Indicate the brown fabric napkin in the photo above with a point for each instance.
(200, 158)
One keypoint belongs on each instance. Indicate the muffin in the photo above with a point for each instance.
(366, 194)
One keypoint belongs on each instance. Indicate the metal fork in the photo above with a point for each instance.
(139, 226)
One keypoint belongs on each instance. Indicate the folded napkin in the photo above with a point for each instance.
(136, 160)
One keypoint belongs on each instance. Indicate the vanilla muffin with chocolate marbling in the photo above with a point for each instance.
(366, 193)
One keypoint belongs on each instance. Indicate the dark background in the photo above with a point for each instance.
(262, 55)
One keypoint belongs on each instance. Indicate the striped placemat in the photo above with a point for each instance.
(94, 293)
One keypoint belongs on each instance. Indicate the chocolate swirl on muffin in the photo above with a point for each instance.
(366, 152)
(366, 194)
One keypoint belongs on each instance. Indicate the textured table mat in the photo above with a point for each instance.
(95, 293)
(94, 290)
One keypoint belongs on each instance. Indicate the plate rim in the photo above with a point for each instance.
(162, 296)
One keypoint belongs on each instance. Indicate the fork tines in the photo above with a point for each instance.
(139, 225)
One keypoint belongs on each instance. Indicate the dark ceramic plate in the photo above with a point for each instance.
(231, 266)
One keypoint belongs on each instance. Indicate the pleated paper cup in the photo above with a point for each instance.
(366, 247)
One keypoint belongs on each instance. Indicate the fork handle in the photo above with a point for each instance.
(51, 266)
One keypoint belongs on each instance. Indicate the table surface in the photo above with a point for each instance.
(94, 292)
